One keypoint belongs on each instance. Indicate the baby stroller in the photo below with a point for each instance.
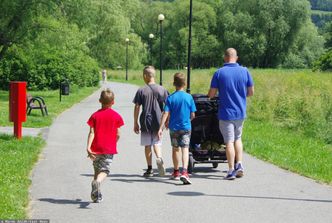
(206, 143)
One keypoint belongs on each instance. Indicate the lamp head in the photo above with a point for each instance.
(161, 17)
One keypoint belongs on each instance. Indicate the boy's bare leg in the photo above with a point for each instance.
(148, 155)
(176, 156)
(185, 157)
(157, 150)
(101, 177)
(159, 160)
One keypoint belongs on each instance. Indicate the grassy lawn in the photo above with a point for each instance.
(289, 118)
(17, 157)
(305, 156)
(16, 161)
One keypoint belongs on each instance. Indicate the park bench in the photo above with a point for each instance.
(36, 103)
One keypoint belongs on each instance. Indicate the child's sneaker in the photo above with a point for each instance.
(99, 199)
(95, 191)
(230, 175)
(239, 170)
(185, 178)
(160, 165)
(148, 173)
(176, 175)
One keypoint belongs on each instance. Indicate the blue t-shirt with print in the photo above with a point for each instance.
(180, 104)
(232, 81)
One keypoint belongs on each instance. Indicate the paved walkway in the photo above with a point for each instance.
(61, 182)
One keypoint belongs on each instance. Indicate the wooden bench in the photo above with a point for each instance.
(36, 103)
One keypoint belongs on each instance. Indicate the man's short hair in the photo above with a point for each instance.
(179, 80)
(149, 71)
(106, 96)
(231, 53)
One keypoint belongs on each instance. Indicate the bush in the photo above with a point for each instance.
(45, 68)
(324, 62)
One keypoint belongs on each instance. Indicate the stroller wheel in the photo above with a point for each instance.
(191, 163)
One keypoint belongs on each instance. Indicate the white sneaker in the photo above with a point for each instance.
(160, 165)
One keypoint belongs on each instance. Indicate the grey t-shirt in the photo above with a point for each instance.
(146, 96)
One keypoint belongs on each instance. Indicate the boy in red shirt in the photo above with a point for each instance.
(103, 136)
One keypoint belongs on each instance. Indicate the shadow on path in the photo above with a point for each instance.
(192, 193)
(82, 204)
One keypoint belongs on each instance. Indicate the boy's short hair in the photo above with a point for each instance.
(106, 96)
(149, 71)
(179, 80)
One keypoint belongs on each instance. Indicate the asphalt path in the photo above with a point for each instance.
(61, 181)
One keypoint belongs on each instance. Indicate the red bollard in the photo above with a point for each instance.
(17, 105)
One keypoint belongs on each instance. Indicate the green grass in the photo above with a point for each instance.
(54, 106)
(305, 156)
(289, 118)
(16, 161)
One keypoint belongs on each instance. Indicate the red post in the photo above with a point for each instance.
(17, 105)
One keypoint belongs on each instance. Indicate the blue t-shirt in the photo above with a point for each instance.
(232, 81)
(180, 104)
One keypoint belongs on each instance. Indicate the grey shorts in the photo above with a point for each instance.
(150, 139)
(102, 163)
(180, 138)
(231, 130)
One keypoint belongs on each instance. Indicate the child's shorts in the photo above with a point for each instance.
(102, 163)
(150, 139)
(180, 138)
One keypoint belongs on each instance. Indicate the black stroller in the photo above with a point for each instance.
(206, 143)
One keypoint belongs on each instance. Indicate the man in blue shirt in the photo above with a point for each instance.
(234, 84)
(180, 106)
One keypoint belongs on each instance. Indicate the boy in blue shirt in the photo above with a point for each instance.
(181, 108)
(234, 84)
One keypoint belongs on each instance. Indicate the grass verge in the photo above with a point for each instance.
(287, 149)
(16, 162)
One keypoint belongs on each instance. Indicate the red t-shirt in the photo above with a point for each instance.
(105, 123)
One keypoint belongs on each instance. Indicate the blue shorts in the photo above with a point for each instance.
(180, 138)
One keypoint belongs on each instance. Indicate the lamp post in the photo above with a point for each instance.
(189, 46)
(127, 42)
(161, 18)
(151, 36)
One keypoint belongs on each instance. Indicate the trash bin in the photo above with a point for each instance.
(65, 88)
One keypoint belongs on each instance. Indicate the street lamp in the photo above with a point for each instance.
(127, 42)
(151, 36)
(189, 46)
(161, 18)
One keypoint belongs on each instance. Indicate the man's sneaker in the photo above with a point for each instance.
(239, 170)
(160, 165)
(176, 175)
(185, 178)
(230, 175)
(95, 191)
(148, 173)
